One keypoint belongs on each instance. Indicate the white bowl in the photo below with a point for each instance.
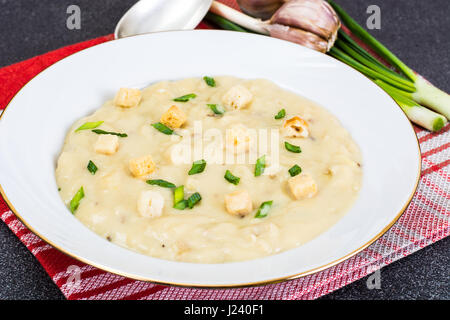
(33, 128)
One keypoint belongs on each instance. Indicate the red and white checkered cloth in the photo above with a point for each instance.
(425, 221)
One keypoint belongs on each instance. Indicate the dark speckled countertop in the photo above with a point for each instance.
(416, 30)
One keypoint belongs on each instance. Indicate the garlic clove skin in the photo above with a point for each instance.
(315, 16)
(298, 36)
(263, 9)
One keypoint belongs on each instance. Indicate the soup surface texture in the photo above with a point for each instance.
(222, 123)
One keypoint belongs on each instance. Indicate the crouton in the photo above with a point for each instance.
(295, 127)
(107, 144)
(302, 186)
(150, 204)
(237, 97)
(127, 98)
(142, 166)
(238, 203)
(174, 117)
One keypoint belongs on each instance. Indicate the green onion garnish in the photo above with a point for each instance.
(162, 128)
(98, 131)
(292, 148)
(161, 183)
(186, 97)
(260, 165)
(178, 194)
(295, 170)
(181, 205)
(89, 125)
(92, 167)
(197, 167)
(231, 178)
(216, 108)
(281, 114)
(210, 81)
(263, 210)
(75, 202)
(194, 199)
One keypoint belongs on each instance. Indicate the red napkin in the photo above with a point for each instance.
(424, 222)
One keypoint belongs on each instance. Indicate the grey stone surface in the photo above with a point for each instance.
(416, 30)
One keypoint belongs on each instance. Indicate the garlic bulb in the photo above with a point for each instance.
(311, 23)
(263, 9)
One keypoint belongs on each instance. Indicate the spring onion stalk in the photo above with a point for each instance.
(425, 93)
(422, 116)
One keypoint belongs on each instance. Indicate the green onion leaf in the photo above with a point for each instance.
(260, 165)
(75, 202)
(92, 167)
(162, 128)
(181, 205)
(89, 125)
(216, 108)
(210, 81)
(197, 167)
(292, 148)
(281, 114)
(194, 199)
(263, 210)
(231, 178)
(98, 131)
(186, 97)
(295, 170)
(178, 194)
(161, 183)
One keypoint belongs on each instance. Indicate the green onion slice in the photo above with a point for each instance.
(210, 81)
(178, 194)
(231, 178)
(186, 97)
(161, 183)
(295, 170)
(162, 128)
(89, 125)
(181, 205)
(264, 209)
(281, 114)
(75, 202)
(260, 165)
(197, 167)
(98, 131)
(292, 148)
(216, 108)
(194, 199)
(92, 167)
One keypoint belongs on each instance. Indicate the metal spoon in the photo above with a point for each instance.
(161, 15)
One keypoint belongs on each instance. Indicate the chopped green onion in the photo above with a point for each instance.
(295, 170)
(292, 148)
(231, 178)
(162, 128)
(75, 202)
(260, 165)
(178, 194)
(186, 97)
(197, 167)
(98, 131)
(92, 167)
(281, 114)
(263, 210)
(161, 183)
(210, 81)
(181, 205)
(59, 189)
(89, 125)
(194, 199)
(216, 108)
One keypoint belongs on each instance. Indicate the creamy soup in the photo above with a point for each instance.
(198, 170)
